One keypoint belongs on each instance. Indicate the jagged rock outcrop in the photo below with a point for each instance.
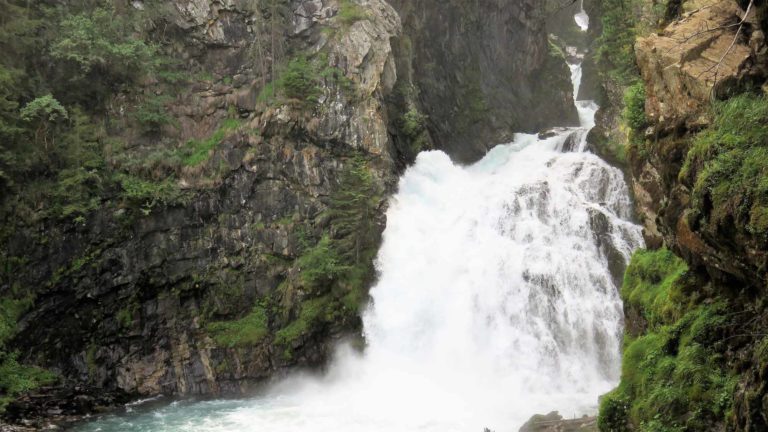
(697, 58)
(707, 55)
(123, 295)
(683, 72)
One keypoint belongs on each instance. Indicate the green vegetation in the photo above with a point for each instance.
(54, 117)
(301, 80)
(727, 165)
(247, 331)
(350, 12)
(197, 152)
(673, 377)
(651, 286)
(16, 378)
(615, 53)
(334, 273)
(152, 114)
(633, 114)
(312, 313)
(414, 126)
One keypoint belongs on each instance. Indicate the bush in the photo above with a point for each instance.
(312, 314)
(148, 193)
(152, 114)
(99, 44)
(614, 412)
(300, 80)
(16, 378)
(634, 106)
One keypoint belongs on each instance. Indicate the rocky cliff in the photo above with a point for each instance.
(481, 72)
(225, 219)
(694, 355)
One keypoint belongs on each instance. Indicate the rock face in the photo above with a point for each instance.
(123, 297)
(696, 58)
(482, 72)
(682, 71)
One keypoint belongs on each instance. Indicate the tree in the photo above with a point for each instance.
(46, 112)
(352, 209)
(98, 47)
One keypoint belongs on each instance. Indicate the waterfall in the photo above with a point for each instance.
(494, 302)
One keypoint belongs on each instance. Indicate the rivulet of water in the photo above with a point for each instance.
(494, 302)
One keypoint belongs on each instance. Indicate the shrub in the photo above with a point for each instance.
(299, 80)
(15, 378)
(152, 114)
(634, 106)
(615, 53)
(148, 193)
(313, 312)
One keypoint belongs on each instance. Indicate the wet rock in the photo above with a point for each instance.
(478, 87)
(554, 422)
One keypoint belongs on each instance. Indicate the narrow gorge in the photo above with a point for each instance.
(329, 215)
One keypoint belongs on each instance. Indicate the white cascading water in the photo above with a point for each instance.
(494, 302)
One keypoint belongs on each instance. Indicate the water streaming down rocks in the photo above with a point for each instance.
(496, 299)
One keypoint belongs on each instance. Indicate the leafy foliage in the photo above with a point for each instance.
(634, 106)
(615, 52)
(99, 44)
(334, 272)
(152, 114)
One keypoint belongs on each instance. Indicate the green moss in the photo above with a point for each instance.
(313, 312)
(350, 12)
(651, 285)
(198, 151)
(127, 314)
(673, 379)
(245, 332)
(728, 167)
